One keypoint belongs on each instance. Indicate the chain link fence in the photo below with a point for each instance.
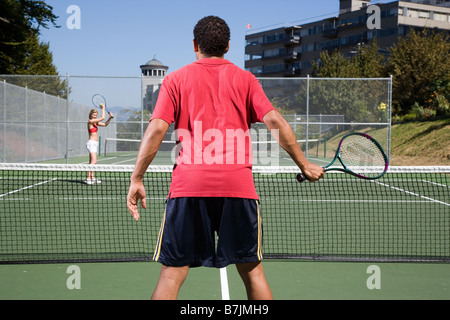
(44, 118)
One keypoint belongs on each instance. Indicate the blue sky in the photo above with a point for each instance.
(117, 36)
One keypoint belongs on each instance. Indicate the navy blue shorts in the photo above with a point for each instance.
(209, 232)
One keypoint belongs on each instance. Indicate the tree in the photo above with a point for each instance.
(21, 52)
(417, 62)
(20, 21)
(334, 66)
(367, 62)
(357, 99)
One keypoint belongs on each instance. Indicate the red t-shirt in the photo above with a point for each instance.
(213, 104)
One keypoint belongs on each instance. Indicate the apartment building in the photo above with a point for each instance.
(288, 51)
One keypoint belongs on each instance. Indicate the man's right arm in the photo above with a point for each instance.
(285, 136)
(151, 141)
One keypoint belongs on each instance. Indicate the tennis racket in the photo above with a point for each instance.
(98, 99)
(360, 155)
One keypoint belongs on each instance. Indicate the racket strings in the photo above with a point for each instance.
(361, 155)
(97, 100)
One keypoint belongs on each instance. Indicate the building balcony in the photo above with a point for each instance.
(350, 25)
(293, 56)
(286, 41)
(294, 72)
(292, 40)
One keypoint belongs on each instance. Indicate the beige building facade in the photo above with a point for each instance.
(288, 51)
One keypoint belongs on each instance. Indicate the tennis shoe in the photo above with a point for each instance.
(97, 181)
(89, 181)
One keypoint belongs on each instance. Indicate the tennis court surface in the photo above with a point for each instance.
(49, 215)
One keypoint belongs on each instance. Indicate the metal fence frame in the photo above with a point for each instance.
(308, 118)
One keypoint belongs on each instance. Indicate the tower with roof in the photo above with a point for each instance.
(153, 73)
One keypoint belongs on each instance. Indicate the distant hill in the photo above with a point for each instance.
(121, 113)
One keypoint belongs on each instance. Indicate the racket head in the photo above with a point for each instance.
(362, 156)
(98, 99)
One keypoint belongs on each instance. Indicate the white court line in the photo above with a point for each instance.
(224, 284)
(132, 159)
(103, 159)
(412, 193)
(28, 187)
(435, 183)
(224, 281)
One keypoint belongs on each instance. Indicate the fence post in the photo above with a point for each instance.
(45, 127)
(307, 117)
(67, 118)
(4, 120)
(389, 116)
(26, 123)
(142, 106)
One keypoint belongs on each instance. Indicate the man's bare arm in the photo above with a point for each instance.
(285, 136)
(150, 143)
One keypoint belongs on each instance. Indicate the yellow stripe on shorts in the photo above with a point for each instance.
(260, 256)
(158, 243)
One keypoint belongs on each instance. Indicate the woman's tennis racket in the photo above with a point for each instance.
(98, 99)
(360, 155)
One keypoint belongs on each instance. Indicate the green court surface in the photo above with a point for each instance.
(288, 280)
(399, 216)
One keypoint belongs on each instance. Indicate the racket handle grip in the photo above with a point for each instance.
(301, 177)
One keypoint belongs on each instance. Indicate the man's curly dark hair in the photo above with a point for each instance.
(212, 35)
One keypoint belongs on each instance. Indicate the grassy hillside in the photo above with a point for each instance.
(421, 143)
(414, 143)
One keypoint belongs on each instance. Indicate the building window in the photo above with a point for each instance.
(307, 48)
(254, 56)
(254, 41)
(274, 37)
(394, 12)
(272, 68)
(413, 13)
(274, 52)
(424, 14)
(255, 70)
(440, 17)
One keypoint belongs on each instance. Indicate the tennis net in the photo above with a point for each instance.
(49, 214)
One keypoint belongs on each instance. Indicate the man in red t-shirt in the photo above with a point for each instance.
(213, 104)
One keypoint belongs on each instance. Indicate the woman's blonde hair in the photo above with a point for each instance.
(92, 112)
